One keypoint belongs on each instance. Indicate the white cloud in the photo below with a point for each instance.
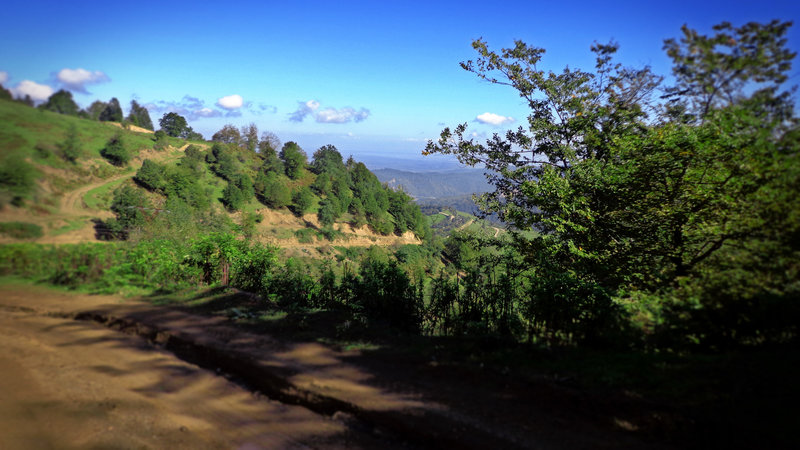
(303, 109)
(234, 101)
(3, 76)
(38, 92)
(329, 114)
(192, 108)
(344, 115)
(207, 112)
(493, 119)
(77, 79)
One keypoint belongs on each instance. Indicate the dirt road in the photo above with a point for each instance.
(92, 371)
(74, 384)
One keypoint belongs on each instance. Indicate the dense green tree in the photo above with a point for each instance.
(132, 208)
(359, 215)
(302, 200)
(116, 152)
(328, 212)
(228, 134)
(95, 109)
(271, 190)
(225, 163)
(182, 183)
(139, 116)
(232, 197)
(5, 94)
(112, 112)
(629, 202)
(190, 135)
(61, 102)
(152, 176)
(17, 180)
(327, 159)
(173, 124)
(294, 159)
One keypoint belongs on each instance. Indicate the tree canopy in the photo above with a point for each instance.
(139, 116)
(61, 102)
(112, 112)
(294, 159)
(173, 124)
(633, 195)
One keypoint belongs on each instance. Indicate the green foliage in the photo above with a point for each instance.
(327, 159)
(151, 176)
(112, 112)
(294, 159)
(21, 230)
(94, 110)
(190, 135)
(302, 200)
(250, 137)
(139, 116)
(328, 212)
(131, 207)
(386, 295)
(116, 152)
(17, 181)
(232, 197)
(673, 206)
(5, 94)
(223, 161)
(70, 148)
(229, 134)
(173, 124)
(61, 102)
(712, 72)
(271, 190)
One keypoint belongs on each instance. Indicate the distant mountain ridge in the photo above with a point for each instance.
(425, 186)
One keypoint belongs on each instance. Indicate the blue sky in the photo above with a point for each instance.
(372, 78)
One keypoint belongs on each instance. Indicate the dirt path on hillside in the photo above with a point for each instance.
(72, 203)
(74, 384)
(71, 383)
(72, 208)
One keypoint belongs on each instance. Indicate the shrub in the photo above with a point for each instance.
(17, 180)
(115, 151)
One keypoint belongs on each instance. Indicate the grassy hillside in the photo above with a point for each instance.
(56, 186)
(34, 133)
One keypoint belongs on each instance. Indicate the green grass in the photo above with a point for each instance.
(100, 197)
(24, 129)
(21, 230)
(72, 225)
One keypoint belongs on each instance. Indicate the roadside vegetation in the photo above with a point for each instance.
(646, 234)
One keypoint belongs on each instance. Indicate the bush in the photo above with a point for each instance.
(70, 148)
(302, 200)
(151, 176)
(17, 180)
(115, 151)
